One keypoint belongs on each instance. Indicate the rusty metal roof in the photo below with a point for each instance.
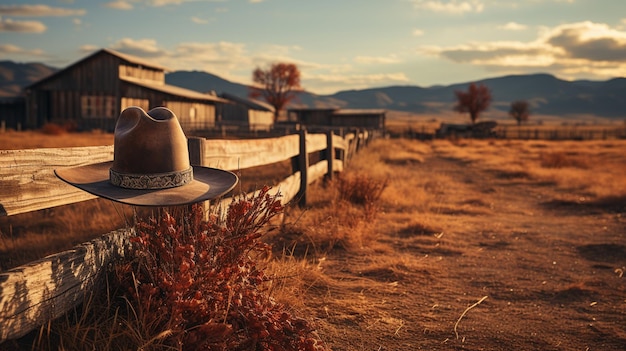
(173, 90)
(134, 59)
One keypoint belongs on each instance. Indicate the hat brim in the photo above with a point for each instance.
(207, 184)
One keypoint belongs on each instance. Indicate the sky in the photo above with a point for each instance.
(336, 44)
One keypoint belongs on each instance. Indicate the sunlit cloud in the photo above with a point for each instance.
(585, 48)
(331, 83)
(88, 49)
(513, 26)
(417, 32)
(38, 11)
(449, 6)
(591, 41)
(198, 20)
(236, 61)
(141, 47)
(9, 25)
(161, 3)
(119, 5)
(376, 60)
(14, 50)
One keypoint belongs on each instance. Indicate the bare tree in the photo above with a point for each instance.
(476, 100)
(278, 85)
(520, 110)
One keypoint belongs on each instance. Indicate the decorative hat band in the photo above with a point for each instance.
(151, 181)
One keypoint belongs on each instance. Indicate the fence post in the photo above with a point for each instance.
(330, 154)
(195, 145)
(303, 166)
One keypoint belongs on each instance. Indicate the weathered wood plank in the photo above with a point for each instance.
(339, 142)
(28, 183)
(338, 165)
(315, 142)
(288, 189)
(32, 294)
(240, 154)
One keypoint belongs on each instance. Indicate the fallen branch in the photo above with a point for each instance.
(464, 312)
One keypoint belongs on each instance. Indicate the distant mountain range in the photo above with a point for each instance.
(547, 94)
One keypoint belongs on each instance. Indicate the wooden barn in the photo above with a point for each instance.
(335, 117)
(92, 92)
(11, 113)
(246, 114)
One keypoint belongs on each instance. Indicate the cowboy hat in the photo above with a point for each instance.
(150, 165)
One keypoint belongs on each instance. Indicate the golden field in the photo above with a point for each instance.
(473, 244)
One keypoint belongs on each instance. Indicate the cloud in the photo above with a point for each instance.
(88, 49)
(571, 50)
(9, 25)
(14, 50)
(455, 7)
(119, 5)
(198, 20)
(236, 61)
(417, 32)
(376, 60)
(589, 41)
(141, 48)
(325, 83)
(160, 3)
(38, 11)
(513, 26)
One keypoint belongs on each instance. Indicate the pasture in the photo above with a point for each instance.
(473, 244)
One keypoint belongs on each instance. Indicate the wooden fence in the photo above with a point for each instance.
(32, 294)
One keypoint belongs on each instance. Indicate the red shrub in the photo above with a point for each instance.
(200, 281)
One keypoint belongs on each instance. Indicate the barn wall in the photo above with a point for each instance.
(260, 120)
(193, 115)
(143, 73)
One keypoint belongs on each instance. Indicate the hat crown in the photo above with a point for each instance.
(149, 143)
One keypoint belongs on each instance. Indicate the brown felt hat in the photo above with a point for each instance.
(150, 165)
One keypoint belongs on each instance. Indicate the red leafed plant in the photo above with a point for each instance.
(195, 284)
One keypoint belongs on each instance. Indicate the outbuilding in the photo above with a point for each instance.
(92, 92)
(246, 114)
(336, 117)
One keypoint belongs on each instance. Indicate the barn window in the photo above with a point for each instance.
(96, 106)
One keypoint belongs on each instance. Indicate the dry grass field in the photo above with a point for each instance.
(478, 245)
(473, 245)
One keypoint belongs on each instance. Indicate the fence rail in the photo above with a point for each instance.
(45, 289)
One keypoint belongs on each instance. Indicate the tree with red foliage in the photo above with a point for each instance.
(476, 100)
(520, 110)
(278, 85)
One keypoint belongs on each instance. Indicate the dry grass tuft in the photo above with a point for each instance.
(189, 284)
(561, 160)
(362, 190)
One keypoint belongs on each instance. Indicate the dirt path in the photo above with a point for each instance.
(539, 269)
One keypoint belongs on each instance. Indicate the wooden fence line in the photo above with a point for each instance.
(36, 292)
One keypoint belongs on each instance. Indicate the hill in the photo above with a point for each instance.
(14, 76)
(547, 94)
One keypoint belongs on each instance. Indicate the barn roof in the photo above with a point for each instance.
(346, 112)
(251, 103)
(124, 57)
(173, 90)
(131, 59)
